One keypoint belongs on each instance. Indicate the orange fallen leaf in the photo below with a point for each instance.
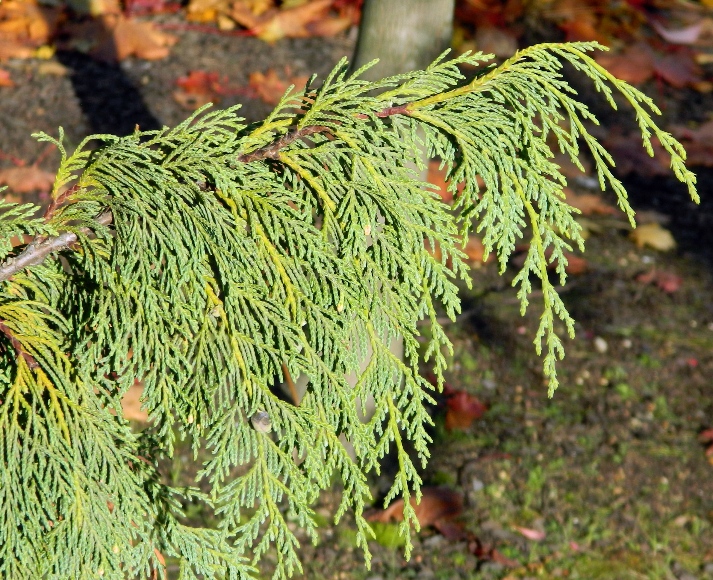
(588, 203)
(312, 18)
(121, 37)
(204, 10)
(5, 80)
(654, 236)
(438, 505)
(462, 409)
(666, 281)
(635, 65)
(14, 49)
(27, 179)
(270, 87)
(198, 89)
(26, 22)
(576, 265)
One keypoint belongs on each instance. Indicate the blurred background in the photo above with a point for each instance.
(612, 478)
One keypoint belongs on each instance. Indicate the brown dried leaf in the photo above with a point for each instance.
(5, 80)
(438, 505)
(206, 10)
(678, 69)
(631, 157)
(14, 49)
(313, 18)
(576, 265)
(270, 87)
(197, 89)
(654, 236)
(27, 179)
(462, 409)
(588, 203)
(124, 37)
(635, 65)
(666, 281)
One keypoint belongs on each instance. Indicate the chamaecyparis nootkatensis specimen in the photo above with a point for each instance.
(205, 259)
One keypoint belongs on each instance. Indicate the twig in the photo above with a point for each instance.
(291, 385)
(59, 200)
(40, 248)
(272, 151)
(29, 359)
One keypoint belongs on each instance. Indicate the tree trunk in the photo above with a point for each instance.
(404, 35)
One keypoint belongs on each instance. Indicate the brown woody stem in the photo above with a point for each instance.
(29, 359)
(40, 248)
(272, 151)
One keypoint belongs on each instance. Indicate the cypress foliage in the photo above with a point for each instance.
(205, 259)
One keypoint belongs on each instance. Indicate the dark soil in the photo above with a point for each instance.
(610, 468)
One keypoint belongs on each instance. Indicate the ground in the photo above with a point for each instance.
(608, 478)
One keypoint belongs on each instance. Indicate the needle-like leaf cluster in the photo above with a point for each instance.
(210, 261)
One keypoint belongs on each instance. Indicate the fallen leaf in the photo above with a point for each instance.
(438, 506)
(631, 157)
(698, 143)
(706, 436)
(5, 80)
(686, 35)
(462, 409)
(52, 67)
(27, 179)
(666, 281)
(576, 265)
(701, 134)
(635, 65)
(95, 7)
(206, 10)
(14, 49)
(313, 18)
(654, 236)
(270, 87)
(197, 89)
(588, 203)
(678, 70)
(131, 403)
(26, 22)
(123, 37)
(530, 534)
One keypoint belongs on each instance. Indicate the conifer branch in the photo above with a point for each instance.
(272, 151)
(39, 249)
(209, 294)
(17, 345)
